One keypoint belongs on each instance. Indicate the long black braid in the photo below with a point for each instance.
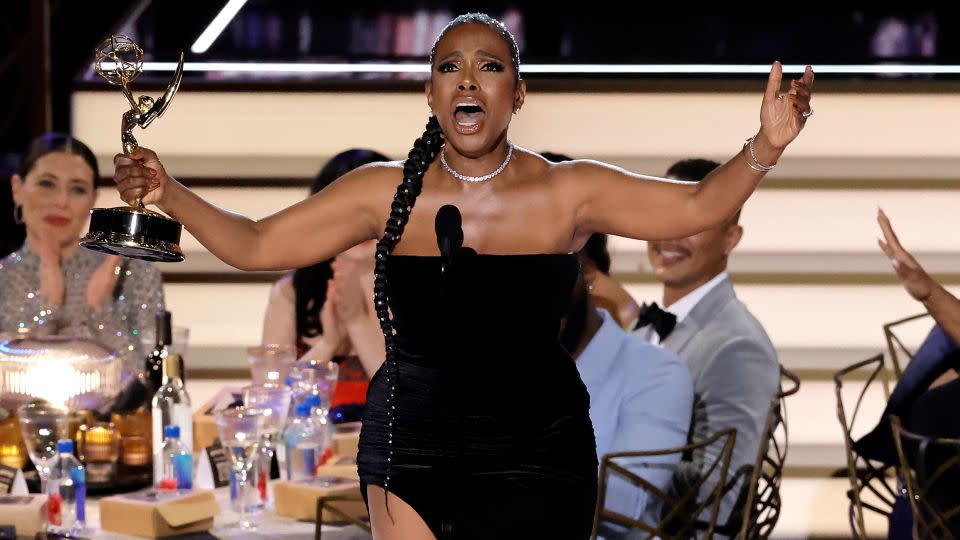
(425, 149)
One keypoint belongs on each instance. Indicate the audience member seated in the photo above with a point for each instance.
(928, 392)
(640, 396)
(732, 361)
(607, 292)
(52, 286)
(327, 310)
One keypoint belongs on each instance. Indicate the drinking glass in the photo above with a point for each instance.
(240, 431)
(42, 425)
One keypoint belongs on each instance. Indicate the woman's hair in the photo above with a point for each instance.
(310, 283)
(11, 232)
(693, 170)
(595, 250)
(424, 151)
(49, 143)
(343, 163)
(555, 157)
(493, 24)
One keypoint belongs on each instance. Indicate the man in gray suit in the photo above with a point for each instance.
(732, 361)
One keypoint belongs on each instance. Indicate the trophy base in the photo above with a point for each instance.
(134, 247)
(135, 233)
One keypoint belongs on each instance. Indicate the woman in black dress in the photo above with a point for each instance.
(477, 425)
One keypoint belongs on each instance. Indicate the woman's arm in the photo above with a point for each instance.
(942, 306)
(279, 320)
(353, 298)
(615, 201)
(349, 211)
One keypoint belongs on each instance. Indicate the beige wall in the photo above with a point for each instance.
(919, 128)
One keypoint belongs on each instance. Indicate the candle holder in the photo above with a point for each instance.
(135, 462)
(98, 446)
(13, 453)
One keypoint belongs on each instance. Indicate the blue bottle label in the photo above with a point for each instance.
(79, 477)
(309, 461)
(183, 470)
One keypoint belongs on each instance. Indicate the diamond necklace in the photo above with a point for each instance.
(484, 178)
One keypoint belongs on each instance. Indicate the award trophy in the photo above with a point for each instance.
(133, 231)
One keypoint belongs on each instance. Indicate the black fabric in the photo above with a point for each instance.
(492, 436)
(936, 356)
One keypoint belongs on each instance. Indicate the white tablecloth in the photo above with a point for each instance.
(271, 526)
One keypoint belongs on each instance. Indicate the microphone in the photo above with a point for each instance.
(449, 232)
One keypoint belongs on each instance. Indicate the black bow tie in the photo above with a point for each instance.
(663, 321)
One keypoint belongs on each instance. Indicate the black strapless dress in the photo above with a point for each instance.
(492, 436)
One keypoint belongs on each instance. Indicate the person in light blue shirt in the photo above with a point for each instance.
(641, 397)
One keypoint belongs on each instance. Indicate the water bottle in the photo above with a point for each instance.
(67, 492)
(320, 413)
(173, 469)
(171, 406)
(303, 444)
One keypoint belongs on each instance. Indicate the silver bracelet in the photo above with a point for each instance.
(753, 162)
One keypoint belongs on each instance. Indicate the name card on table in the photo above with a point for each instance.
(213, 467)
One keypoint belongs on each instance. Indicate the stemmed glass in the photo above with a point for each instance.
(42, 425)
(270, 363)
(240, 432)
(317, 378)
(274, 400)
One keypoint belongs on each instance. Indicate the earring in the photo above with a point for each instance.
(18, 214)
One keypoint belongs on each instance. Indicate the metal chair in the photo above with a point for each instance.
(900, 354)
(680, 504)
(866, 476)
(761, 509)
(930, 467)
(330, 503)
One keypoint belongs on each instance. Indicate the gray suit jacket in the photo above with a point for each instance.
(735, 373)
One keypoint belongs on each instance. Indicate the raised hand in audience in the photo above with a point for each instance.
(914, 278)
(943, 306)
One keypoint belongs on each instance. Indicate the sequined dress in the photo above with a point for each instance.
(116, 325)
